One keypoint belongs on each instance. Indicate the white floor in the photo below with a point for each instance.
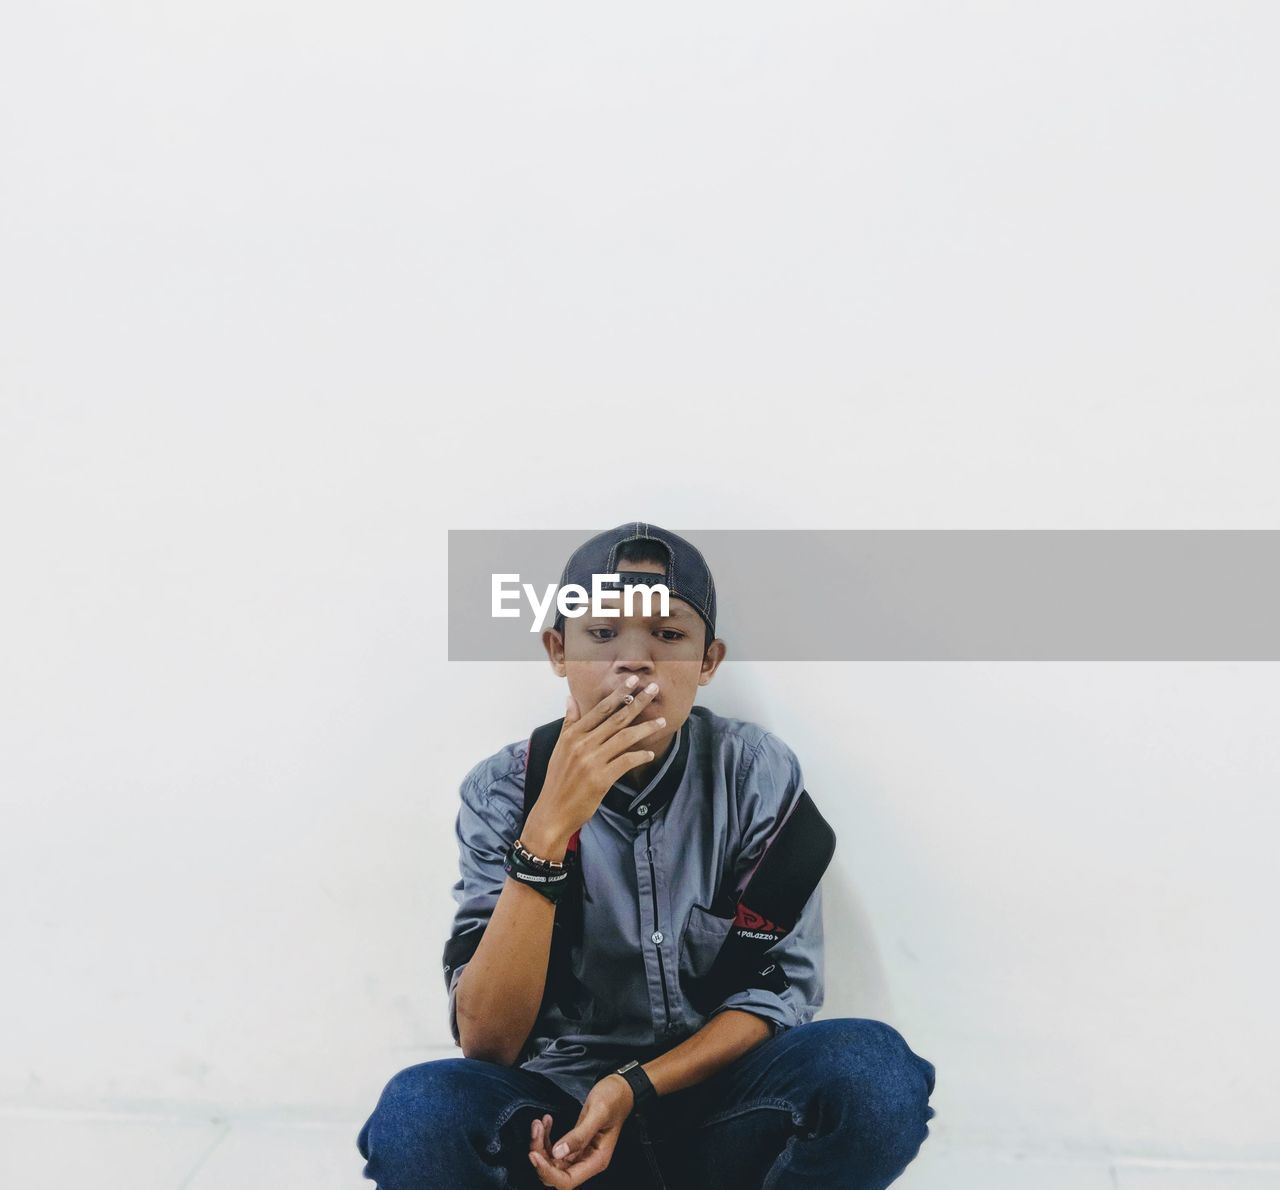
(44, 1151)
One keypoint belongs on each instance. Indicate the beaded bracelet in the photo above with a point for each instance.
(550, 882)
(537, 860)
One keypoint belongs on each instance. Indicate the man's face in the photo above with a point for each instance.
(599, 653)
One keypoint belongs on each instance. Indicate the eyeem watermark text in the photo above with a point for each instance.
(573, 600)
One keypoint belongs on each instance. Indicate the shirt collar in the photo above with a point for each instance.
(641, 805)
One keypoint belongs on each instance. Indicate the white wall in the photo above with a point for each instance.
(291, 289)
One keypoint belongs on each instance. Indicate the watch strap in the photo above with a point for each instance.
(641, 1087)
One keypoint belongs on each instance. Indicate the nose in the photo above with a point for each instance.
(641, 667)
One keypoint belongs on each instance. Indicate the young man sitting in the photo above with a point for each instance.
(637, 954)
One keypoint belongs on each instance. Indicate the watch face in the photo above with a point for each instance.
(628, 1066)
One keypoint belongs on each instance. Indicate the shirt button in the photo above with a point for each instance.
(657, 936)
(642, 809)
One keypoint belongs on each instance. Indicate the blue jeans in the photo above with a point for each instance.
(832, 1104)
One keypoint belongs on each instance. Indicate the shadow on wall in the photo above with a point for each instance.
(855, 978)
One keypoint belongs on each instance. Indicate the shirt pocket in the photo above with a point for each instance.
(701, 941)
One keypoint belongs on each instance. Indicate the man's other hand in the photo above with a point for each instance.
(588, 1147)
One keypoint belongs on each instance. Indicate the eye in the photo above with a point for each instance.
(609, 633)
(670, 634)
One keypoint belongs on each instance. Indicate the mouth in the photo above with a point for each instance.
(656, 698)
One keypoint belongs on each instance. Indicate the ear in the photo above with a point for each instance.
(711, 660)
(553, 642)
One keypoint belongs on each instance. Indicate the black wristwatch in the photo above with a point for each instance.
(641, 1087)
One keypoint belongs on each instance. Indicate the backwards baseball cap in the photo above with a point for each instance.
(686, 574)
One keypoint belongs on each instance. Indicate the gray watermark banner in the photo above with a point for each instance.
(925, 595)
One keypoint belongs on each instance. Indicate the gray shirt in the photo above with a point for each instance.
(652, 860)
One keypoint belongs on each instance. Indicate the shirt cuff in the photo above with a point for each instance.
(765, 1004)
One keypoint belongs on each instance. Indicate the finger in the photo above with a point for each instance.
(595, 1157)
(569, 1147)
(548, 1175)
(628, 737)
(624, 713)
(578, 1136)
(544, 1142)
(541, 1130)
(604, 708)
(625, 763)
(595, 1162)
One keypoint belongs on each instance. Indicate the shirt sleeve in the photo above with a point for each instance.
(773, 785)
(485, 826)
